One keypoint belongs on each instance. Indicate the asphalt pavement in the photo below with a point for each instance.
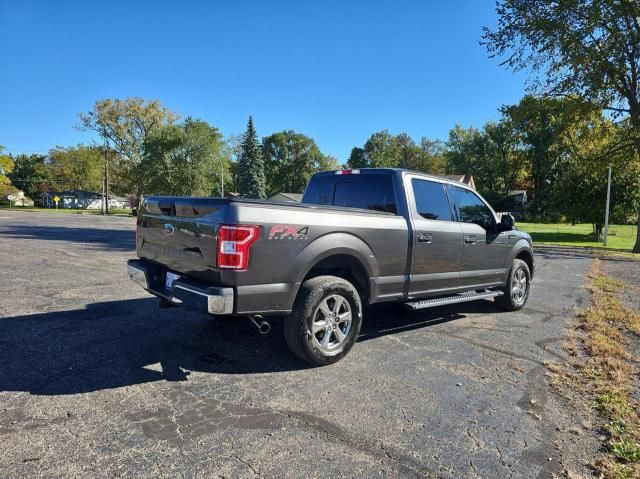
(97, 381)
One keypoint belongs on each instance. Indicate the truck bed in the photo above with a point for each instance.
(180, 234)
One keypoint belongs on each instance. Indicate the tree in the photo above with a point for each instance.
(124, 125)
(381, 150)
(290, 160)
(32, 175)
(505, 146)
(384, 150)
(357, 158)
(77, 168)
(469, 151)
(430, 157)
(584, 177)
(590, 49)
(543, 125)
(184, 159)
(250, 175)
(6, 167)
(495, 156)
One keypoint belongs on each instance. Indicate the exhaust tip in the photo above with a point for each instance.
(264, 327)
(261, 324)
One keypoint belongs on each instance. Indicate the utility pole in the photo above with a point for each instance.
(221, 179)
(104, 199)
(606, 216)
(106, 179)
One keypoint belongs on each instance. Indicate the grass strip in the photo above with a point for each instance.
(607, 371)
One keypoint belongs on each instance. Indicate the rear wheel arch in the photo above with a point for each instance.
(345, 266)
(339, 254)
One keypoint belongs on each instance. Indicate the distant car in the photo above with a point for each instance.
(358, 237)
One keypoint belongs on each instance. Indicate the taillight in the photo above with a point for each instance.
(234, 243)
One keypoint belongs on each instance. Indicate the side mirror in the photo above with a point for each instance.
(506, 222)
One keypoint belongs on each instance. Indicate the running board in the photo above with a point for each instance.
(458, 298)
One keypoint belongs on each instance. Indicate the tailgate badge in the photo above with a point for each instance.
(168, 229)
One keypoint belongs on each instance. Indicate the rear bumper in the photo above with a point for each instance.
(184, 292)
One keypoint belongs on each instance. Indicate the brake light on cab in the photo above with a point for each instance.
(234, 243)
(348, 172)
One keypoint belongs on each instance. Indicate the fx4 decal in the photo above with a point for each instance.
(289, 232)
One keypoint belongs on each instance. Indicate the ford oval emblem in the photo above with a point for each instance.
(168, 229)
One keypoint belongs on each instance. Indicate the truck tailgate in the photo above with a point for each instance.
(180, 233)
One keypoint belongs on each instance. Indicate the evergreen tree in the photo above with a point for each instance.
(250, 175)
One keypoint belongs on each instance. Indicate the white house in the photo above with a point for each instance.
(81, 200)
(19, 199)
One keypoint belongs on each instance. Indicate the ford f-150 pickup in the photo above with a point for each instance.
(358, 237)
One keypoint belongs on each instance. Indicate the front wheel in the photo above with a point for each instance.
(325, 321)
(516, 291)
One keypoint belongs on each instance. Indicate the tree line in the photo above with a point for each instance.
(556, 149)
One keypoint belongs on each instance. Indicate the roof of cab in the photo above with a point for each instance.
(388, 171)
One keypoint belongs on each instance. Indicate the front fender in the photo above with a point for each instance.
(522, 245)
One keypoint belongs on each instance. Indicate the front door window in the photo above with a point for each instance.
(471, 209)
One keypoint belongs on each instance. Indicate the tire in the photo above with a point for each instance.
(325, 305)
(516, 291)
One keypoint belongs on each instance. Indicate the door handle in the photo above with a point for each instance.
(424, 237)
(469, 239)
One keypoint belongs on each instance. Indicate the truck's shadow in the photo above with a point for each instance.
(122, 343)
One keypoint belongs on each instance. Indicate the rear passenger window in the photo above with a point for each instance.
(431, 200)
(367, 191)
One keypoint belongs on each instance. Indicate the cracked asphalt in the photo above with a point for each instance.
(96, 381)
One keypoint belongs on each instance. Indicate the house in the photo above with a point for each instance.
(464, 179)
(72, 199)
(81, 200)
(519, 197)
(19, 199)
(118, 202)
(287, 197)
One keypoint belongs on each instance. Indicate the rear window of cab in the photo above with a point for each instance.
(369, 191)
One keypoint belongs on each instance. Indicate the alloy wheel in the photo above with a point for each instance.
(331, 324)
(519, 287)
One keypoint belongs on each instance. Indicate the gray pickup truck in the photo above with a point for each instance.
(358, 237)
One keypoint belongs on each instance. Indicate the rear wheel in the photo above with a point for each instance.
(325, 321)
(516, 291)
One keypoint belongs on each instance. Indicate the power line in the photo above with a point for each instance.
(36, 181)
(13, 150)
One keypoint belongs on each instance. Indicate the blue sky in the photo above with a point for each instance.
(334, 70)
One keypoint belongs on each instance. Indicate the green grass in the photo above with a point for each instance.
(626, 451)
(621, 237)
(608, 284)
(112, 212)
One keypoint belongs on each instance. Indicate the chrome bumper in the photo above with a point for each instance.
(138, 276)
(213, 300)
